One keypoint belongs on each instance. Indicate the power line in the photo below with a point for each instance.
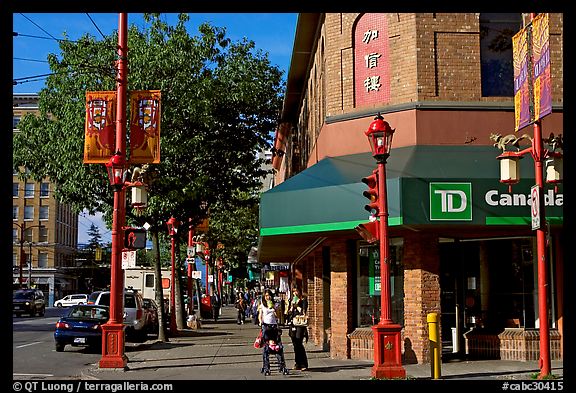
(95, 25)
(16, 34)
(35, 24)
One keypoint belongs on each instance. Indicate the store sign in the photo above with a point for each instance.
(451, 201)
(371, 60)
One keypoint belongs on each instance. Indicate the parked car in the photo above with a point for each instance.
(151, 311)
(81, 326)
(71, 300)
(93, 296)
(28, 301)
(134, 316)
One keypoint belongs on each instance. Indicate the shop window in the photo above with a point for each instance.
(497, 67)
(368, 284)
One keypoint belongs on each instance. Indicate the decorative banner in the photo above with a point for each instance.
(100, 127)
(522, 79)
(541, 61)
(371, 61)
(532, 81)
(145, 127)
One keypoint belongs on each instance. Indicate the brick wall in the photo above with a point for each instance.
(421, 293)
(340, 300)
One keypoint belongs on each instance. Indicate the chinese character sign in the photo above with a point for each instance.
(371, 64)
(100, 127)
(145, 127)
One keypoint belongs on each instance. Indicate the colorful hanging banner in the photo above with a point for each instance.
(541, 61)
(532, 81)
(522, 79)
(100, 127)
(145, 127)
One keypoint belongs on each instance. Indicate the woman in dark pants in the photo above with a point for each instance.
(298, 306)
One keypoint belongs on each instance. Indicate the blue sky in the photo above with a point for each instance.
(38, 34)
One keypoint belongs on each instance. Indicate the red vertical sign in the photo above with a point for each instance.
(371, 65)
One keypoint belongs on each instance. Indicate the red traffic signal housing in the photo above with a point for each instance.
(372, 192)
(369, 231)
(134, 238)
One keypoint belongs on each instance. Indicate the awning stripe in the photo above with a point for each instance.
(325, 227)
(520, 220)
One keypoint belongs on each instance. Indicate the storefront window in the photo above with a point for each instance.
(368, 284)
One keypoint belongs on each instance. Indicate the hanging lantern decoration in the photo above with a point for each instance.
(509, 168)
(554, 169)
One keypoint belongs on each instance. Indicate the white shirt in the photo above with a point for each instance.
(268, 315)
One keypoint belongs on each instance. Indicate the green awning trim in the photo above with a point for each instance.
(520, 220)
(327, 227)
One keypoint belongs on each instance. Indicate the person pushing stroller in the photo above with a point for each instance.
(271, 339)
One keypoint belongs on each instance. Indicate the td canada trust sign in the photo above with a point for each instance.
(457, 201)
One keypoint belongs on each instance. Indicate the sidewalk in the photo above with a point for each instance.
(224, 351)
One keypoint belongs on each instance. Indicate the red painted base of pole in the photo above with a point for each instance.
(113, 346)
(387, 351)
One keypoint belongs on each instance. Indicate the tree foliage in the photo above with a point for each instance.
(220, 101)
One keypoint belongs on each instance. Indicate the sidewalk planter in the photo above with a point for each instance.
(524, 344)
(361, 344)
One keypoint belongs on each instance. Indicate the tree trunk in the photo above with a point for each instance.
(159, 293)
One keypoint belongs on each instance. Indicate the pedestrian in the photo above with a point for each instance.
(240, 305)
(215, 300)
(298, 332)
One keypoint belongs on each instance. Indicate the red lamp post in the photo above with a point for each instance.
(387, 338)
(113, 331)
(172, 224)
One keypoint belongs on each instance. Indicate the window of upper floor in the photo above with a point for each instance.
(15, 189)
(29, 190)
(15, 121)
(497, 67)
(44, 189)
(28, 213)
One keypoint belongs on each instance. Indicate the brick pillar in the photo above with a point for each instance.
(340, 299)
(421, 293)
(315, 300)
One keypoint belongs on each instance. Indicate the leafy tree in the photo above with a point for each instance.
(95, 237)
(220, 101)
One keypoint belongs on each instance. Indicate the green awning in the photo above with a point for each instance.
(426, 185)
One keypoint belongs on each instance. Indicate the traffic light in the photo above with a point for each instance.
(372, 193)
(134, 238)
(369, 231)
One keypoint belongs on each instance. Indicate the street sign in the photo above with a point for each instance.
(535, 209)
(128, 259)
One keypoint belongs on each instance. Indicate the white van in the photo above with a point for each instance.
(71, 300)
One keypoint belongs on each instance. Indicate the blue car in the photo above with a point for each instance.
(81, 326)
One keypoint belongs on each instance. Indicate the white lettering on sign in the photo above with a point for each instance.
(372, 60)
(372, 83)
(447, 200)
(370, 35)
(494, 198)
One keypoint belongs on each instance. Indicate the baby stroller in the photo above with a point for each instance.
(272, 344)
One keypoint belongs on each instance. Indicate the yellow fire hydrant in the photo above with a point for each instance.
(434, 337)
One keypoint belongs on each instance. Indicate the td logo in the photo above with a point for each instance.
(451, 201)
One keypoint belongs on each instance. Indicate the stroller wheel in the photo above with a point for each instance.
(266, 372)
(285, 371)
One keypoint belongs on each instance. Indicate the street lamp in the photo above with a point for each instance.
(172, 224)
(387, 338)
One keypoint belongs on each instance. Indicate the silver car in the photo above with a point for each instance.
(134, 315)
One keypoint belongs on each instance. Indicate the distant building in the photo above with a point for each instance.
(44, 231)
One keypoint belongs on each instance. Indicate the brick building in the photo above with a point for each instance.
(44, 231)
(444, 82)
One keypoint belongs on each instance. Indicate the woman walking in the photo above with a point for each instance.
(298, 333)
